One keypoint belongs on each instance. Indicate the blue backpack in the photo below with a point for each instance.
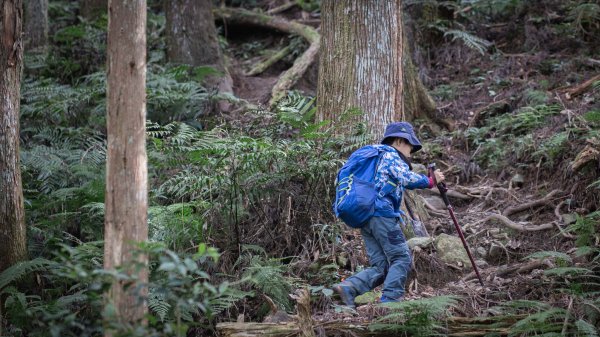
(355, 192)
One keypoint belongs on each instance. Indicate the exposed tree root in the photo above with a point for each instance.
(508, 270)
(453, 194)
(580, 89)
(264, 65)
(292, 75)
(536, 203)
(559, 220)
(588, 154)
(517, 226)
(281, 8)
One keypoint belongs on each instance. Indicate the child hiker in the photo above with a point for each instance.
(386, 246)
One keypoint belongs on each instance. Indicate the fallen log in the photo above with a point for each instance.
(580, 89)
(292, 75)
(451, 326)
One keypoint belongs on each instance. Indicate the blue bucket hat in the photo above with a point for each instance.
(403, 130)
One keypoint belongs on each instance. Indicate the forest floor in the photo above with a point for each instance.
(507, 212)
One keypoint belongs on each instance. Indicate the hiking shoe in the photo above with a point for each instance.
(346, 294)
(385, 299)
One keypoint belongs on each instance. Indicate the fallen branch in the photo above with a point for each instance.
(508, 270)
(536, 203)
(292, 75)
(578, 90)
(516, 226)
(264, 65)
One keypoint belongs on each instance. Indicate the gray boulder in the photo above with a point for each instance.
(421, 242)
(450, 250)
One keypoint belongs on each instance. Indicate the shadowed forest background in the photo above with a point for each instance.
(252, 106)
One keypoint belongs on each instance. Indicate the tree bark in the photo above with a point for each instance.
(12, 215)
(36, 24)
(366, 65)
(92, 9)
(192, 39)
(126, 173)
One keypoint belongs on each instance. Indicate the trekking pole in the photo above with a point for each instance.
(443, 189)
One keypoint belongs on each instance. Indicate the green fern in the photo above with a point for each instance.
(585, 15)
(158, 305)
(230, 296)
(552, 254)
(267, 276)
(544, 322)
(585, 227)
(586, 329)
(470, 40)
(20, 269)
(423, 317)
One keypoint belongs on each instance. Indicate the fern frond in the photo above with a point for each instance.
(267, 276)
(568, 271)
(419, 317)
(546, 254)
(470, 40)
(17, 271)
(227, 300)
(585, 13)
(157, 304)
(586, 329)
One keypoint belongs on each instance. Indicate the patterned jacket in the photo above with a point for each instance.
(393, 176)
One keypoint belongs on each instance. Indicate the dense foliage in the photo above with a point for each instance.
(257, 188)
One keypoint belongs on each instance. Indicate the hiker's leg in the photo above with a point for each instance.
(373, 276)
(388, 233)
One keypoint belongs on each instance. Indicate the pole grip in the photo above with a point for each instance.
(441, 186)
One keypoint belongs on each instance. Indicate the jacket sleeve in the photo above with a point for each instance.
(399, 172)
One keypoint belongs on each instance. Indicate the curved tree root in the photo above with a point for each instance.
(536, 203)
(517, 226)
(292, 75)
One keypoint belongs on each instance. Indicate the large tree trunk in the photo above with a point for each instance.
(12, 217)
(126, 173)
(92, 9)
(36, 24)
(365, 64)
(192, 39)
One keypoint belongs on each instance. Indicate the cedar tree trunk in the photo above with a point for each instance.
(126, 169)
(36, 24)
(365, 64)
(192, 39)
(12, 217)
(92, 9)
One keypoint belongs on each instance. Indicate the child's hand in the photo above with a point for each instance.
(439, 176)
